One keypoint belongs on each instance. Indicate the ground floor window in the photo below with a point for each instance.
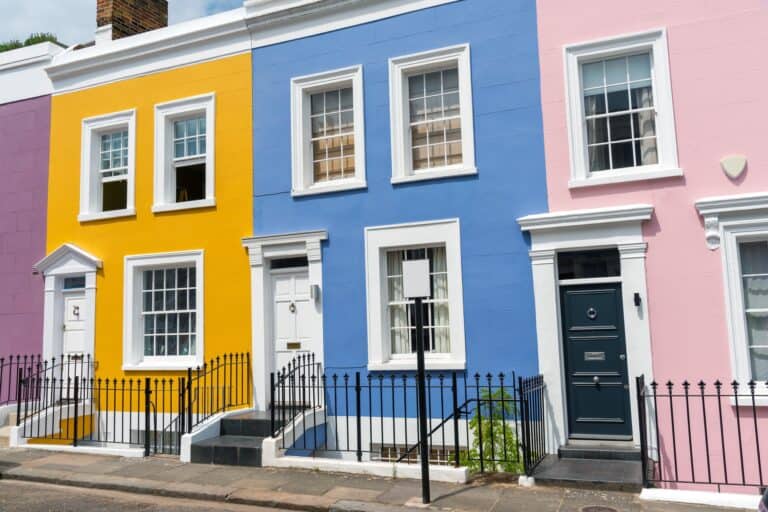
(163, 311)
(402, 314)
(392, 453)
(392, 318)
(753, 256)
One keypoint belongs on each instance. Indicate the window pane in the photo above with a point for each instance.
(114, 195)
(149, 346)
(588, 264)
(645, 152)
(618, 98)
(622, 155)
(179, 129)
(756, 292)
(594, 102)
(416, 86)
(639, 67)
(598, 158)
(759, 357)
(451, 80)
(642, 94)
(620, 127)
(318, 102)
(644, 124)
(597, 130)
(754, 257)
(190, 183)
(592, 74)
(432, 83)
(616, 71)
(346, 98)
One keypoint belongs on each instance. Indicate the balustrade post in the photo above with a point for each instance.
(455, 391)
(357, 414)
(147, 405)
(77, 389)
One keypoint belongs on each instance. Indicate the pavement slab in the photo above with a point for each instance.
(305, 489)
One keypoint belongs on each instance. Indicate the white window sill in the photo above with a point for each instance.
(328, 188)
(410, 364)
(171, 365)
(186, 205)
(746, 401)
(116, 214)
(637, 174)
(435, 174)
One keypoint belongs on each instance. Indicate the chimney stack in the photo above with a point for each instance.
(116, 19)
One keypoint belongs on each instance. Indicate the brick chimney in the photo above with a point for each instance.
(122, 18)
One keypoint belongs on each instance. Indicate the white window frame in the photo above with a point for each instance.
(379, 240)
(400, 68)
(165, 115)
(90, 176)
(301, 130)
(133, 339)
(654, 42)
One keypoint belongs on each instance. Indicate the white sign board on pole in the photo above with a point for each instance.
(416, 279)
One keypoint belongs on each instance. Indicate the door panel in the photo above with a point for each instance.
(73, 341)
(294, 316)
(596, 366)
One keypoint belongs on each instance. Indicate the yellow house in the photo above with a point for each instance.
(150, 194)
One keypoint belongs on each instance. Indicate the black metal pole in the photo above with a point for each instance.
(147, 398)
(422, 388)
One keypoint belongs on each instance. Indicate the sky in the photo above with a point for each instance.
(74, 21)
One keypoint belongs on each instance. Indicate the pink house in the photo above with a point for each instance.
(653, 257)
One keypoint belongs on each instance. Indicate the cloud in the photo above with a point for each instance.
(74, 21)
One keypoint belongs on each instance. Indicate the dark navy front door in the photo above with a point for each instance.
(595, 362)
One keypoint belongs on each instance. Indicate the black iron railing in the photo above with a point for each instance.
(703, 434)
(69, 406)
(9, 374)
(489, 423)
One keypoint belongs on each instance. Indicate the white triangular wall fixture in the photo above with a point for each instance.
(733, 165)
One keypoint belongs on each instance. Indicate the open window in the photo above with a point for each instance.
(184, 162)
(107, 166)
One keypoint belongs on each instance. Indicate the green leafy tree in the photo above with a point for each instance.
(35, 38)
(498, 412)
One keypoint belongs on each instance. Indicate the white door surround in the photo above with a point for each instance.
(261, 251)
(619, 227)
(68, 261)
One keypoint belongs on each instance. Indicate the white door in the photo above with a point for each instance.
(73, 339)
(294, 316)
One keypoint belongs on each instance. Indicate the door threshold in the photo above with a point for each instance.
(596, 442)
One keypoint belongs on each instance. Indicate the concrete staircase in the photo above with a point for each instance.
(239, 442)
(606, 466)
(5, 429)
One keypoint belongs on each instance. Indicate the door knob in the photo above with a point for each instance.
(292, 308)
(596, 379)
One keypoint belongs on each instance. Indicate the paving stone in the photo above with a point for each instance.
(353, 494)
(469, 498)
(524, 500)
(281, 500)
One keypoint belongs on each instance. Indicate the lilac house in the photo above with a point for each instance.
(25, 107)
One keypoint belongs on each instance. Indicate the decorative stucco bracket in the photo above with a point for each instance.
(717, 210)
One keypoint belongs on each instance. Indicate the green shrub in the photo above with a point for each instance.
(497, 418)
(35, 38)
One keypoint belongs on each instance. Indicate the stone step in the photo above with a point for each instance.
(230, 450)
(251, 423)
(613, 475)
(11, 418)
(599, 452)
(5, 433)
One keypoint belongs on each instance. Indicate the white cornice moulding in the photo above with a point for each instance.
(712, 209)
(276, 21)
(178, 45)
(575, 218)
(311, 239)
(67, 251)
(22, 72)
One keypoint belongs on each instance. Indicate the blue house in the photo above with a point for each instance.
(383, 132)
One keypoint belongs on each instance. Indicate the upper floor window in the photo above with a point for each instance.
(184, 154)
(107, 166)
(328, 136)
(431, 113)
(621, 119)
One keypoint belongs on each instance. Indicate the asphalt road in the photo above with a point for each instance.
(30, 497)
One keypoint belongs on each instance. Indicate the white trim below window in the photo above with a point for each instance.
(302, 88)
(575, 55)
(91, 195)
(133, 342)
(380, 239)
(165, 180)
(400, 68)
